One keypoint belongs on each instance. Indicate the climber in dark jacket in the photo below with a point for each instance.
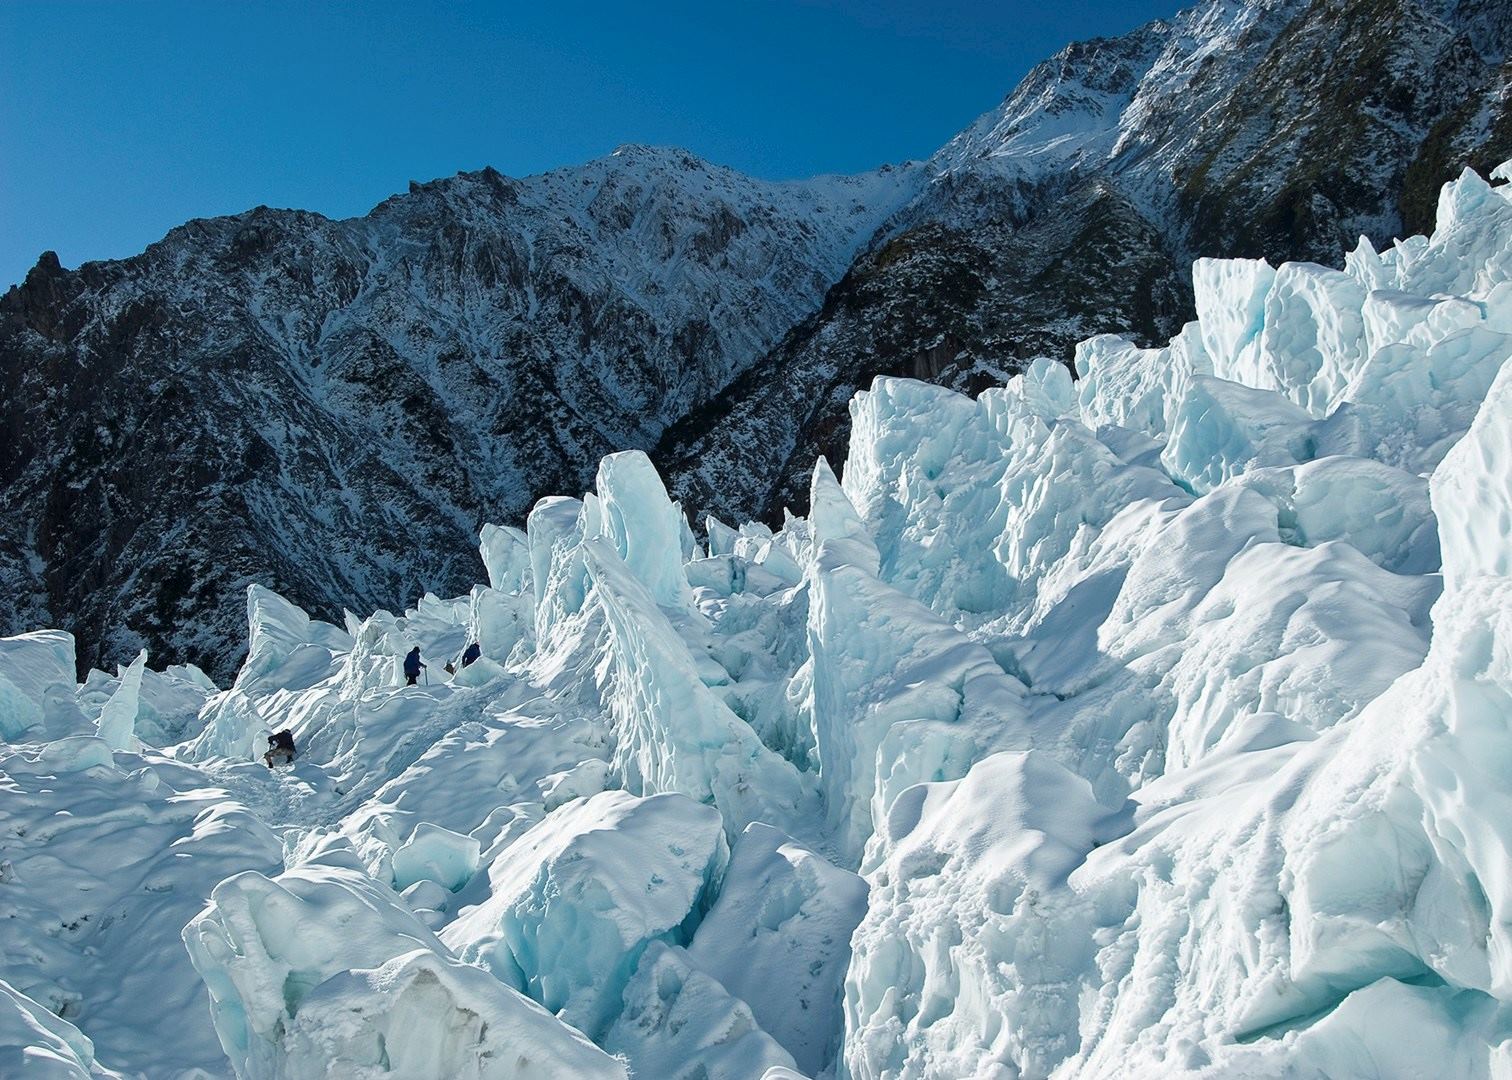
(412, 666)
(280, 749)
(473, 652)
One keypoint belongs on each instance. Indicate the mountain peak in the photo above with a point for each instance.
(674, 157)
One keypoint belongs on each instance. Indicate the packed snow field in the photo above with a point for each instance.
(1153, 723)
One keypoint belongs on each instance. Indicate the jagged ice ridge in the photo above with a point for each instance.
(1154, 723)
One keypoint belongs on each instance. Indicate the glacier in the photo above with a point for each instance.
(1153, 722)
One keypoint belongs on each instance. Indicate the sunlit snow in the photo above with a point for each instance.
(1156, 723)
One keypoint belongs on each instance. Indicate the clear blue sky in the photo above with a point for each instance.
(119, 120)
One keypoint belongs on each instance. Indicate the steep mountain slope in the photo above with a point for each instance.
(1149, 726)
(1281, 129)
(334, 406)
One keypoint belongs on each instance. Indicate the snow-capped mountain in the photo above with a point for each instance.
(333, 407)
(1150, 725)
(1282, 129)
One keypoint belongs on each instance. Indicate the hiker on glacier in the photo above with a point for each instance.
(280, 748)
(473, 652)
(412, 666)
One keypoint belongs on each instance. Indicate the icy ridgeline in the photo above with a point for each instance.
(1158, 723)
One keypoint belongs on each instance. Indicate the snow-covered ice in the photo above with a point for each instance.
(322, 971)
(1156, 723)
(576, 899)
(779, 937)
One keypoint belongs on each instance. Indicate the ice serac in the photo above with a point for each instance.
(168, 701)
(36, 1042)
(1472, 493)
(924, 462)
(506, 557)
(557, 580)
(117, 723)
(966, 959)
(973, 503)
(1299, 757)
(680, 1023)
(234, 727)
(1221, 429)
(1136, 389)
(575, 901)
(1312, 339)
(1381, 511)
(779, 938)
(643, 525)
(288, 654)
(1230, 297)
(503, 614)
(839, 534)
(1410, 403)
(435, 854)
(34, 668)
(894, 696)
(263, 944)
(1046, 389)
(322, 970)
(721, 537)
(1384, 887)
(671, 731)
(425, 1016)
(278, 632)
(498, 622)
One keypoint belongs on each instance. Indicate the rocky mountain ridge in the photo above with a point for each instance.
(333, 407)
(1283, 129)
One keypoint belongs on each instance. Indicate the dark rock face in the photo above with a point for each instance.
(1332, 119)
(332, 407)
(962, 307)
(1282, 129)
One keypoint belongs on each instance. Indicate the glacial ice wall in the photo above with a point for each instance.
(1157, 723)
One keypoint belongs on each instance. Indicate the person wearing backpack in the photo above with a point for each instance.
(412, 667)
(280, 749)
